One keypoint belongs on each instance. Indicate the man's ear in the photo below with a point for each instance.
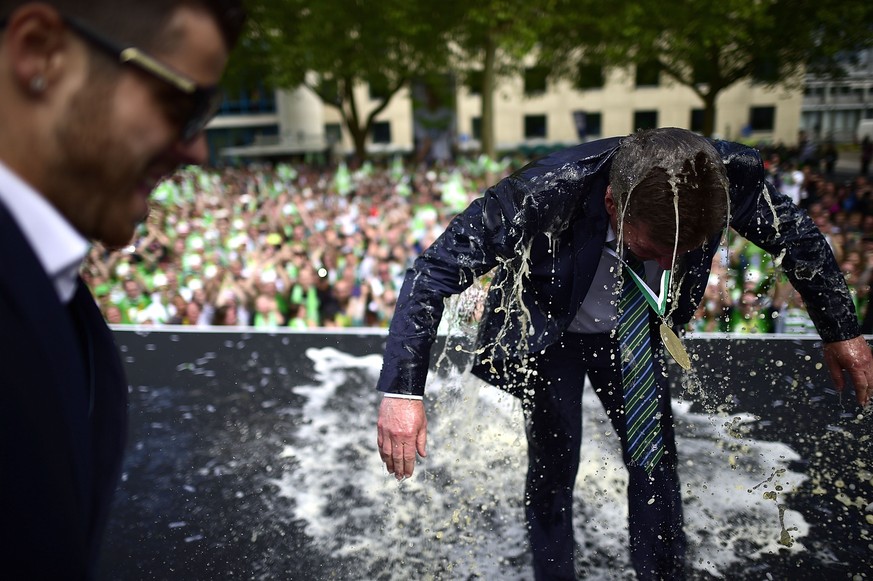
(33, 39)
(612, 210)
(609, 201)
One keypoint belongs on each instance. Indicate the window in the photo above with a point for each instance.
(382, 132)
(648, 74)
(589, 76)
(696, 123)
(594, 124)
(645, 119)
(476, 126)
(218, 139)
(255, 99)
(534, 126)
(588, 124)
(535, 81)
(762, 118)
(333, 132)
(240, 136)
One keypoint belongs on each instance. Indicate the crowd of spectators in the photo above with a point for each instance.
(302, 246)
(281, 245)
(747, 292)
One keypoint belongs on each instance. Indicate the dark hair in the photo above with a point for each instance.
(654, 168)
(140, 22)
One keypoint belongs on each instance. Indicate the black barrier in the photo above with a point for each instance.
(221, 422)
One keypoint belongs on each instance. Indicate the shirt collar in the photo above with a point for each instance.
(58, 246)
(611, 238)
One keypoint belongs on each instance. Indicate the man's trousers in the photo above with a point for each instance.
(553, 418)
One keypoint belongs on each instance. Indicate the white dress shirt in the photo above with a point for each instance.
(58, 246)
(599, 310)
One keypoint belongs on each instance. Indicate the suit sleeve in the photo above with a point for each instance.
(772, 221)
(487, 232)
(496, 229)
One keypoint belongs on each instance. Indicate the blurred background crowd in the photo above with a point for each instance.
(312, 246)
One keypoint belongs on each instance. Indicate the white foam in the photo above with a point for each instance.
(461, 514)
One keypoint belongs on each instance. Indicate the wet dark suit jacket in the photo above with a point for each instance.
(552, 211)
(63, 400)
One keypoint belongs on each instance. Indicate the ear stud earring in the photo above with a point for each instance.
(37, 84)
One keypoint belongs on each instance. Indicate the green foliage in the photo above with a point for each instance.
(360, 40)
(492, 39)
(334, 46)
(514, 27)
(708, 46)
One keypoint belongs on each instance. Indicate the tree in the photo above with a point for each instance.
(490, 40)
(334, 46)
(709, 46)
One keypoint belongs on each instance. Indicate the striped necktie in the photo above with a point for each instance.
(645, 441)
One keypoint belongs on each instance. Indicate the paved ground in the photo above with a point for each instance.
(252, 456)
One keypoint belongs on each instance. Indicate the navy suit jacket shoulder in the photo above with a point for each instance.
(62, 419)
(543, 229)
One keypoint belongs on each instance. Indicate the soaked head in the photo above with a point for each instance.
(661, 177)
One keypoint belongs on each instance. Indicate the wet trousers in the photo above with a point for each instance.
(553, 420)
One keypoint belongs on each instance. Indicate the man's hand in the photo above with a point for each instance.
(852, 356)
(402, 430)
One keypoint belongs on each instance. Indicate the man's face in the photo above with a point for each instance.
(119, 137)
(132, 289)
(113, 315)
(635, 237)
(636, 240)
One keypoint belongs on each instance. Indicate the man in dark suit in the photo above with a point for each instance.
(561, 233)
(98, 101)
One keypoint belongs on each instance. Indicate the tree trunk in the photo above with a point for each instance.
(488, 89)
(353, 121)
(709, 113)
(359, 138)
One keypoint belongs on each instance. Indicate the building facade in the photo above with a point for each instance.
(530, 113)
(833, 108)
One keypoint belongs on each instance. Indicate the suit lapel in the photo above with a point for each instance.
(589, 236)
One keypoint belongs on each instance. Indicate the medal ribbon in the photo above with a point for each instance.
(657, 302)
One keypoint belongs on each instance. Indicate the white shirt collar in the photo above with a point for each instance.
(58, 246)
(610, 234)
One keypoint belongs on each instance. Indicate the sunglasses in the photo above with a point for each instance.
(202, 102)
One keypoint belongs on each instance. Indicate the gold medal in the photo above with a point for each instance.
(674, 347)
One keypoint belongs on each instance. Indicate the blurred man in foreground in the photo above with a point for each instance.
(99, 100)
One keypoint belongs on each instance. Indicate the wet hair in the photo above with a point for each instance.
(654, 166)
(140, 22)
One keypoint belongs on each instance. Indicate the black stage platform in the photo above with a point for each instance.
(252, 456)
